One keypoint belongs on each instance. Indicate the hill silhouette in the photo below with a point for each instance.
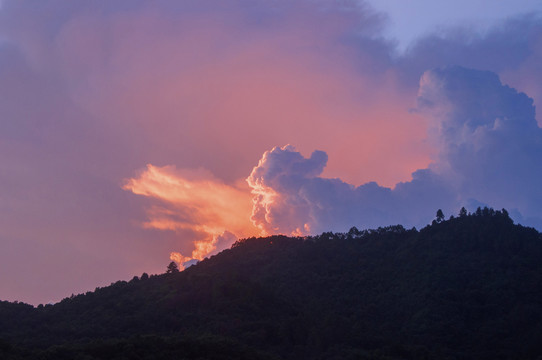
(465, 288)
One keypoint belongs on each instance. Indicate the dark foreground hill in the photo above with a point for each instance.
(466, 288)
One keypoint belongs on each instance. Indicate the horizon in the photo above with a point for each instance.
(352, 233)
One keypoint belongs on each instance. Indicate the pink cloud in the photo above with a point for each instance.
(165, 80)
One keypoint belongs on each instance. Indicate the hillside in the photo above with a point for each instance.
(464, 288)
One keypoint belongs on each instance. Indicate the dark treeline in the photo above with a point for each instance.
(469, 287)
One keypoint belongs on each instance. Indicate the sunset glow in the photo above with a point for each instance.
(136, 132)
(194, 200)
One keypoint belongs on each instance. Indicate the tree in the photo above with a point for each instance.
(353, 231)
(440, 216)
(172, 268)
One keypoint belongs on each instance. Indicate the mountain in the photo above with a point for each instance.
(465, 288)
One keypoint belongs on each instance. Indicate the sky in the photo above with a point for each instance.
(134, 133)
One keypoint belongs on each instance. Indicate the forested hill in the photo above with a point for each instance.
(465, 288)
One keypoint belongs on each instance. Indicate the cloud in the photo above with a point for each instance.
(205, 248)
(161, 77)
(277, 184)
(489, 141)
(217, 214)
(92, 91)
(512, 49)
(291, 197)
(490, 152)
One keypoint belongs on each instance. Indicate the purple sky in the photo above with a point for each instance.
(406, 21)
(135, 132)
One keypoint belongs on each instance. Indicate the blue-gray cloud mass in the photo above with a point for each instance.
(489, 153)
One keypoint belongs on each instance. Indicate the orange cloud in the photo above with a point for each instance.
(194, 200)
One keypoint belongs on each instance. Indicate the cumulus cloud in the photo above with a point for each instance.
(490, 145)
(512, 49)
(291, 197)
(490, 152)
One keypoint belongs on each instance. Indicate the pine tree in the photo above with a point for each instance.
(440, 216)
(172, 268)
